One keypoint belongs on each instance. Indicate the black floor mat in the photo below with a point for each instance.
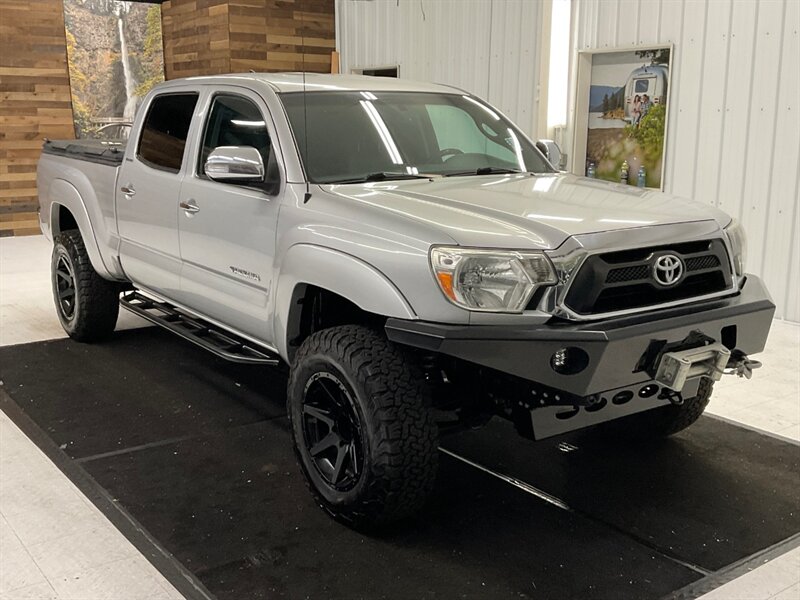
(141, 387)
(709, 495)
(197, 450)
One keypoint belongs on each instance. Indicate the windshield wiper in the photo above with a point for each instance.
(381, 176)
(484, 171)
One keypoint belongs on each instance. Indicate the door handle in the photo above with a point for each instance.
(189, 207)
(128, 190)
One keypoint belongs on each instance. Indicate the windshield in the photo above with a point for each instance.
(353, 136)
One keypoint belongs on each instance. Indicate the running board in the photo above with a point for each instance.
(223, 343)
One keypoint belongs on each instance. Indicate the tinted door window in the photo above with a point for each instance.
(235, 121)
(165, 130)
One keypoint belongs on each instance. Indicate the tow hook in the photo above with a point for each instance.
(674, 397)
(740, 365)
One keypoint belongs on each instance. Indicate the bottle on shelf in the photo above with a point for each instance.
(641, 177)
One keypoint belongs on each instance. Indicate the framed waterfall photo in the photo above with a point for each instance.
(621, 115)
(115, 53)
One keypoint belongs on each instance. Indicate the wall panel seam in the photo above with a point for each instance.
(700, 90)
(677, 54)
(745, 154)
(724, 104)
(794, 243)
(771, 179)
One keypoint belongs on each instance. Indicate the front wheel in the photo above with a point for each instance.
(363, 430)
(87, 305)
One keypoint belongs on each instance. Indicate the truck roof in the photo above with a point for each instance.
(316, 82)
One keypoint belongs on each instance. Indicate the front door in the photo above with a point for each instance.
(149, 187)
(227, 237)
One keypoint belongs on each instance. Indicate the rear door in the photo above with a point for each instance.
(227, 239)
(149, 189)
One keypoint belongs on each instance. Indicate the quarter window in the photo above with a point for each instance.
(165, 130)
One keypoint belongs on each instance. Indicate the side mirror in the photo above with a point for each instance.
(551, 152)
(235, 164)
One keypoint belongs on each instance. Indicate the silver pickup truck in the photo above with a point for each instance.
(415, 260)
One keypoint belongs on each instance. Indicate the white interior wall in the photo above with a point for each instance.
(733, 136)
(491, 48)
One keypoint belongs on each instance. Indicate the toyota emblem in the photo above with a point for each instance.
(668, 269)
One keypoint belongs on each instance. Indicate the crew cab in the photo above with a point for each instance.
(413, 258)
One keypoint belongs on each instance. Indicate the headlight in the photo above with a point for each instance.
(490, 280)
(738, 241)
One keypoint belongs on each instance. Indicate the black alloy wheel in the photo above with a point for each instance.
(332, 432)
(64, 284)
(364, 434)
(86, 304)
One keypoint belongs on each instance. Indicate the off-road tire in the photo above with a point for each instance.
(96, 300)
(400, 435)
(663, 421)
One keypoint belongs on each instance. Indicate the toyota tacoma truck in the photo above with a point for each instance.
(413, 258)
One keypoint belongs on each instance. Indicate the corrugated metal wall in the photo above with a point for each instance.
(487, 47)
(734, 127)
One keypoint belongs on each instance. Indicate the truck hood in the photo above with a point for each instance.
(524, 211)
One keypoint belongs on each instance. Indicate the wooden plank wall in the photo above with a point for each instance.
(34, 103)
(268, 35)
(196, 38)
(200, 37)
(204, 37)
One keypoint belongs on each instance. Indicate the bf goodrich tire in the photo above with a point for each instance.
(364, 434)
(87, 305)
(663, 421)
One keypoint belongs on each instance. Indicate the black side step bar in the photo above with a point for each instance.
(223, 343)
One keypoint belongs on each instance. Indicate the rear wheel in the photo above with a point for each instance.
(87, 305)
(363, 430)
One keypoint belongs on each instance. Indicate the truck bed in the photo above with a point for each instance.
(106, 152)
(81, 175)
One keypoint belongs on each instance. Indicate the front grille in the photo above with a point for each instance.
(696, 263)
(699, 263)
(628, 274)
(624, 280)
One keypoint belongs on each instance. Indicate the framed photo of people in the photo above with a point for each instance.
(621, 115)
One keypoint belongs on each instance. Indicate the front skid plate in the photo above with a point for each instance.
(548, 421)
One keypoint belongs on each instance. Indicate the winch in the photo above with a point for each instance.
(712, 361)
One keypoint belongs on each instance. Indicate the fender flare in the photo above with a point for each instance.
(338, 272)
(65, 194)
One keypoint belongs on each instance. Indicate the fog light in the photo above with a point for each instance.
(569, 360)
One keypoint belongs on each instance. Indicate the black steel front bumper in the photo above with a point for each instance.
(617, 348)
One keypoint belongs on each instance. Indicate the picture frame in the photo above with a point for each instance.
(606, 131)
(115, 55)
